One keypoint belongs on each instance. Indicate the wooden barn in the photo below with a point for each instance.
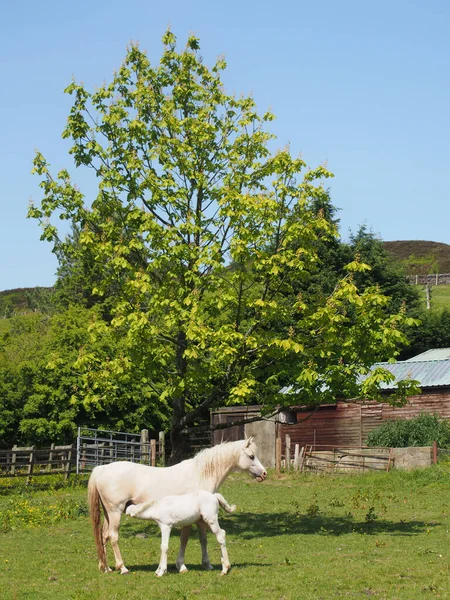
(346, 424)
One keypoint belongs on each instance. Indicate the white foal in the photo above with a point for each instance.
(199, 507)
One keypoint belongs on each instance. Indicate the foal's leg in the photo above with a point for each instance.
(165, 535)
(184, 537)
(221, 537)
(202, 529)
(114, 524)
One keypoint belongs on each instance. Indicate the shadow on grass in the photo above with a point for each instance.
(249, 526)
(255, 525)
(171, 569)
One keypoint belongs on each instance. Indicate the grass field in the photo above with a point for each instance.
(440, 296)
(383, 536)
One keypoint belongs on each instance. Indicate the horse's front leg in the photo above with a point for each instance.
(165, 535)
(202, 529)
(184, 537)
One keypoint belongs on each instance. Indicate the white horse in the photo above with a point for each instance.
(179, 511)
(118, 484)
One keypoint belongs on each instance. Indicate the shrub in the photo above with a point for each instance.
(422, 430)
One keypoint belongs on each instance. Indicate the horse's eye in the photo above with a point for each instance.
(252, 457)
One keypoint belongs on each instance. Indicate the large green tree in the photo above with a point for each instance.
(203, 233)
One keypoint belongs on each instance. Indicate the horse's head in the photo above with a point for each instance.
(248, 461)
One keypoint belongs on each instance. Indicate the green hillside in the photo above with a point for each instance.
(420, 257)
(21, 300)
(415, 256)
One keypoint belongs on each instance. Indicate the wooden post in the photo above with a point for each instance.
(162, 448)
(50, 457)
(278, 454)
(288, 452)
(427, 292)
(300, 458)
(303, 453)
(153, 452)
(30, 465)
(391, 454)
(435, 452)
(296, 457)
(13, 461)
(67, 467)
(145, 447)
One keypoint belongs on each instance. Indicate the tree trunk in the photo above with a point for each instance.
(177, 436)
(180, 446)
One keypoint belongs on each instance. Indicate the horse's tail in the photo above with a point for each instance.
(224, 504)
(94, 502)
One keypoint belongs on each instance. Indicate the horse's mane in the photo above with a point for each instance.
(212, 461)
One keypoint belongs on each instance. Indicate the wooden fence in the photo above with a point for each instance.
(351, 458)
(30, 461)
(81, 456)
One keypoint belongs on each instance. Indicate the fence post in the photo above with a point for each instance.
(145, 449)
(296, 457)
(428, 295)
(50, 457)
(153, 452)
(13, 460)
(288, 452)
(303, 452)
(30, 465)
(435, 452)
(78, 451)
(67, 467)
(391, 456)
(162, 448)
(278, 454)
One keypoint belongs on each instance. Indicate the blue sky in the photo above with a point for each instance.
(364, 86)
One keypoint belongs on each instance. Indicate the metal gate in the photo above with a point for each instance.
(99, 447)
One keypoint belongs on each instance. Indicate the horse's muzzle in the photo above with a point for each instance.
(262, 476)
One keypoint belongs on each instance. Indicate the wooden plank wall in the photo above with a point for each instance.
(230, 415)
(348, 425)
(338, 425)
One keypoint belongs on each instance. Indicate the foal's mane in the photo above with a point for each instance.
(212, 461)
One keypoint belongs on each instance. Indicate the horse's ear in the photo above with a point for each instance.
(248, 441)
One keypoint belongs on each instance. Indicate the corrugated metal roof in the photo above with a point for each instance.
(429, 373)
(434, 354)
(430, 369)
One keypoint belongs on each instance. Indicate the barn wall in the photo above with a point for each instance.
(334, 425)
(262, 431)
(349, 424)
(437, 401)
(341, 425)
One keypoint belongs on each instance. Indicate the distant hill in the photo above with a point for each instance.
(20, 299)
(420, 256)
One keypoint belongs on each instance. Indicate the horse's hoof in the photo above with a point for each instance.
(208, 567)
(183, 569)
(124, 571)
(105, 569)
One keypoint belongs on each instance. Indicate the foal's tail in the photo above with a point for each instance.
(94, 502)
(224, 504)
